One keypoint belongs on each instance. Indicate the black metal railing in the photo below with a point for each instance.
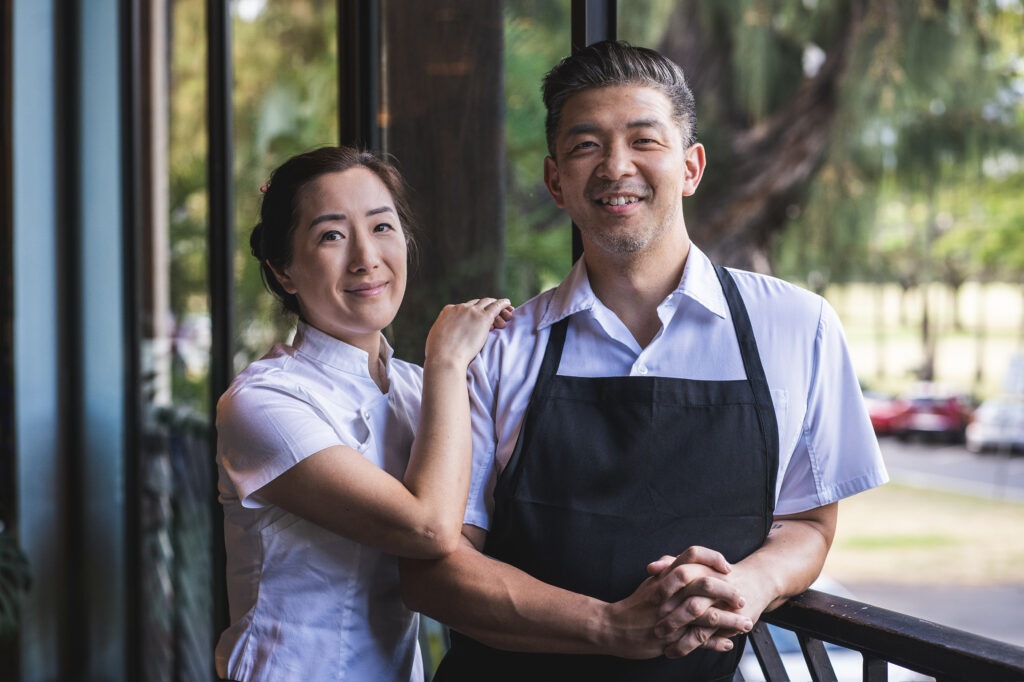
(882, 637)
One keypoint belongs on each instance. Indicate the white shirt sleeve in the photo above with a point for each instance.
(480, 504)
(264, 430)
(837, 453)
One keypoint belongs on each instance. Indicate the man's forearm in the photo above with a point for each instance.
(502, 606)
(791, 557)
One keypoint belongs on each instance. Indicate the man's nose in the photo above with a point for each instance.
(363, 254)
(617, 162)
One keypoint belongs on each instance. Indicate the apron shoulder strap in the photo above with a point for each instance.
(552, 354)
(755, 374)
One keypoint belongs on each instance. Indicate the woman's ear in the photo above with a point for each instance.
(282, 278)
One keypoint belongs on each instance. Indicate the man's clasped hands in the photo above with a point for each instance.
(696, 599)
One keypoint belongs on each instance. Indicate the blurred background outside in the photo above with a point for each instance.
(869, 150)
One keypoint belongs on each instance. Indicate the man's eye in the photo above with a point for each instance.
(331, 236)
(584, 145)
(645, 140)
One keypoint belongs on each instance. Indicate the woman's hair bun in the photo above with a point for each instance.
(256, 242)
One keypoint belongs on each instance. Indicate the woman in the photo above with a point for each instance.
(321, 479)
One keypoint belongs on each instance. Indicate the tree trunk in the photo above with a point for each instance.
(980, 325)
(927, 370)
(879, 319)
(759, 169)
(443, 120)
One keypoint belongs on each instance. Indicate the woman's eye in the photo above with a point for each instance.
(382, 227)
(330, 236)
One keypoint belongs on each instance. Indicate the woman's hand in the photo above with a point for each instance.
(461, 329)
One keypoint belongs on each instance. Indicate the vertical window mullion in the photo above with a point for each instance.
(592, 21)
(221, 254)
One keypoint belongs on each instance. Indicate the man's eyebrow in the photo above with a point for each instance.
(646, 123)
(581, 129)
(585, 128)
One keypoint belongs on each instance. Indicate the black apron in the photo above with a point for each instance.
(611, 473)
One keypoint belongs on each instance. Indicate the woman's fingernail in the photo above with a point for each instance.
(742, 602)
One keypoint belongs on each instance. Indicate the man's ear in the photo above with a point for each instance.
(693, 168)
(282, 278)
(552, 181)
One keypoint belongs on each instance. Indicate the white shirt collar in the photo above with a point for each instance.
(699, 283)
(325, 349)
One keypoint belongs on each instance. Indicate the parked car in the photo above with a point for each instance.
(934, 411)
(885, 411)
(997, 425)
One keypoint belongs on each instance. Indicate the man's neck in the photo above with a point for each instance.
(633, 285)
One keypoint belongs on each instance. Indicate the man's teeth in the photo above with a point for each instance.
(619, 201)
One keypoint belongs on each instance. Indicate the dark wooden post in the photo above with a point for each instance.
(442, 118)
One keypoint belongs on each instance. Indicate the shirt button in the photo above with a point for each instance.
(366, 414)
(642, 369)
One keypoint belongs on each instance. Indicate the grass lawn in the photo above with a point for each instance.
(898, 534)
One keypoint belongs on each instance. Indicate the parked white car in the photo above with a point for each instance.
(997, 425)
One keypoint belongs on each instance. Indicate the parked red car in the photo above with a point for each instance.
(886, 412)
(927, 410)
(935, 412)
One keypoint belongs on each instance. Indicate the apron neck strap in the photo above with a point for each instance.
(753, 367)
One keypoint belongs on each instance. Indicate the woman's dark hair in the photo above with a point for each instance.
(271, 239)
(612, 62)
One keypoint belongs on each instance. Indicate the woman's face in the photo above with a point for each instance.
(348, 266)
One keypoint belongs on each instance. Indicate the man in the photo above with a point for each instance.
(650, 404)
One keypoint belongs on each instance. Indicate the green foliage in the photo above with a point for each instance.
(941, 100)
(285, 102)
(537, 235)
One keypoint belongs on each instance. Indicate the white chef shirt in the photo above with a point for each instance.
(827, 449)
(308, 604)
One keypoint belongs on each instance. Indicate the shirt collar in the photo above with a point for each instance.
(699, 283)
(327, 350)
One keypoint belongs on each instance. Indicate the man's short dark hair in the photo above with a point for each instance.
(610, 63)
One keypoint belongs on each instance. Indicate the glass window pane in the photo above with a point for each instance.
(443, 123)
(538, 233)
(175, 467)
(285, 103)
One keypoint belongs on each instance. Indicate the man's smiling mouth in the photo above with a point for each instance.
(618, 201)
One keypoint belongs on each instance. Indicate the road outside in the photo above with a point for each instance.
(944, 541)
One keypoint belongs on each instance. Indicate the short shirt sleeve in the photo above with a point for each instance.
(837, 453)
(481, 486)
(264, 430)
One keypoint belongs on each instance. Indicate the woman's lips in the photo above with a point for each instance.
(368, 289)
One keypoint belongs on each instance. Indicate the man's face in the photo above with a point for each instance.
(620, 168)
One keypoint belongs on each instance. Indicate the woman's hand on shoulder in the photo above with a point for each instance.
(461, 329)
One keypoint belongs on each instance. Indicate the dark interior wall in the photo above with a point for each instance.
(442, 118)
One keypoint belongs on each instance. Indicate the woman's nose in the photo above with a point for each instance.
(363, 254)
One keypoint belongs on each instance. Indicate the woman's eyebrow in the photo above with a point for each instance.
(381, 209)
(327, 216)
